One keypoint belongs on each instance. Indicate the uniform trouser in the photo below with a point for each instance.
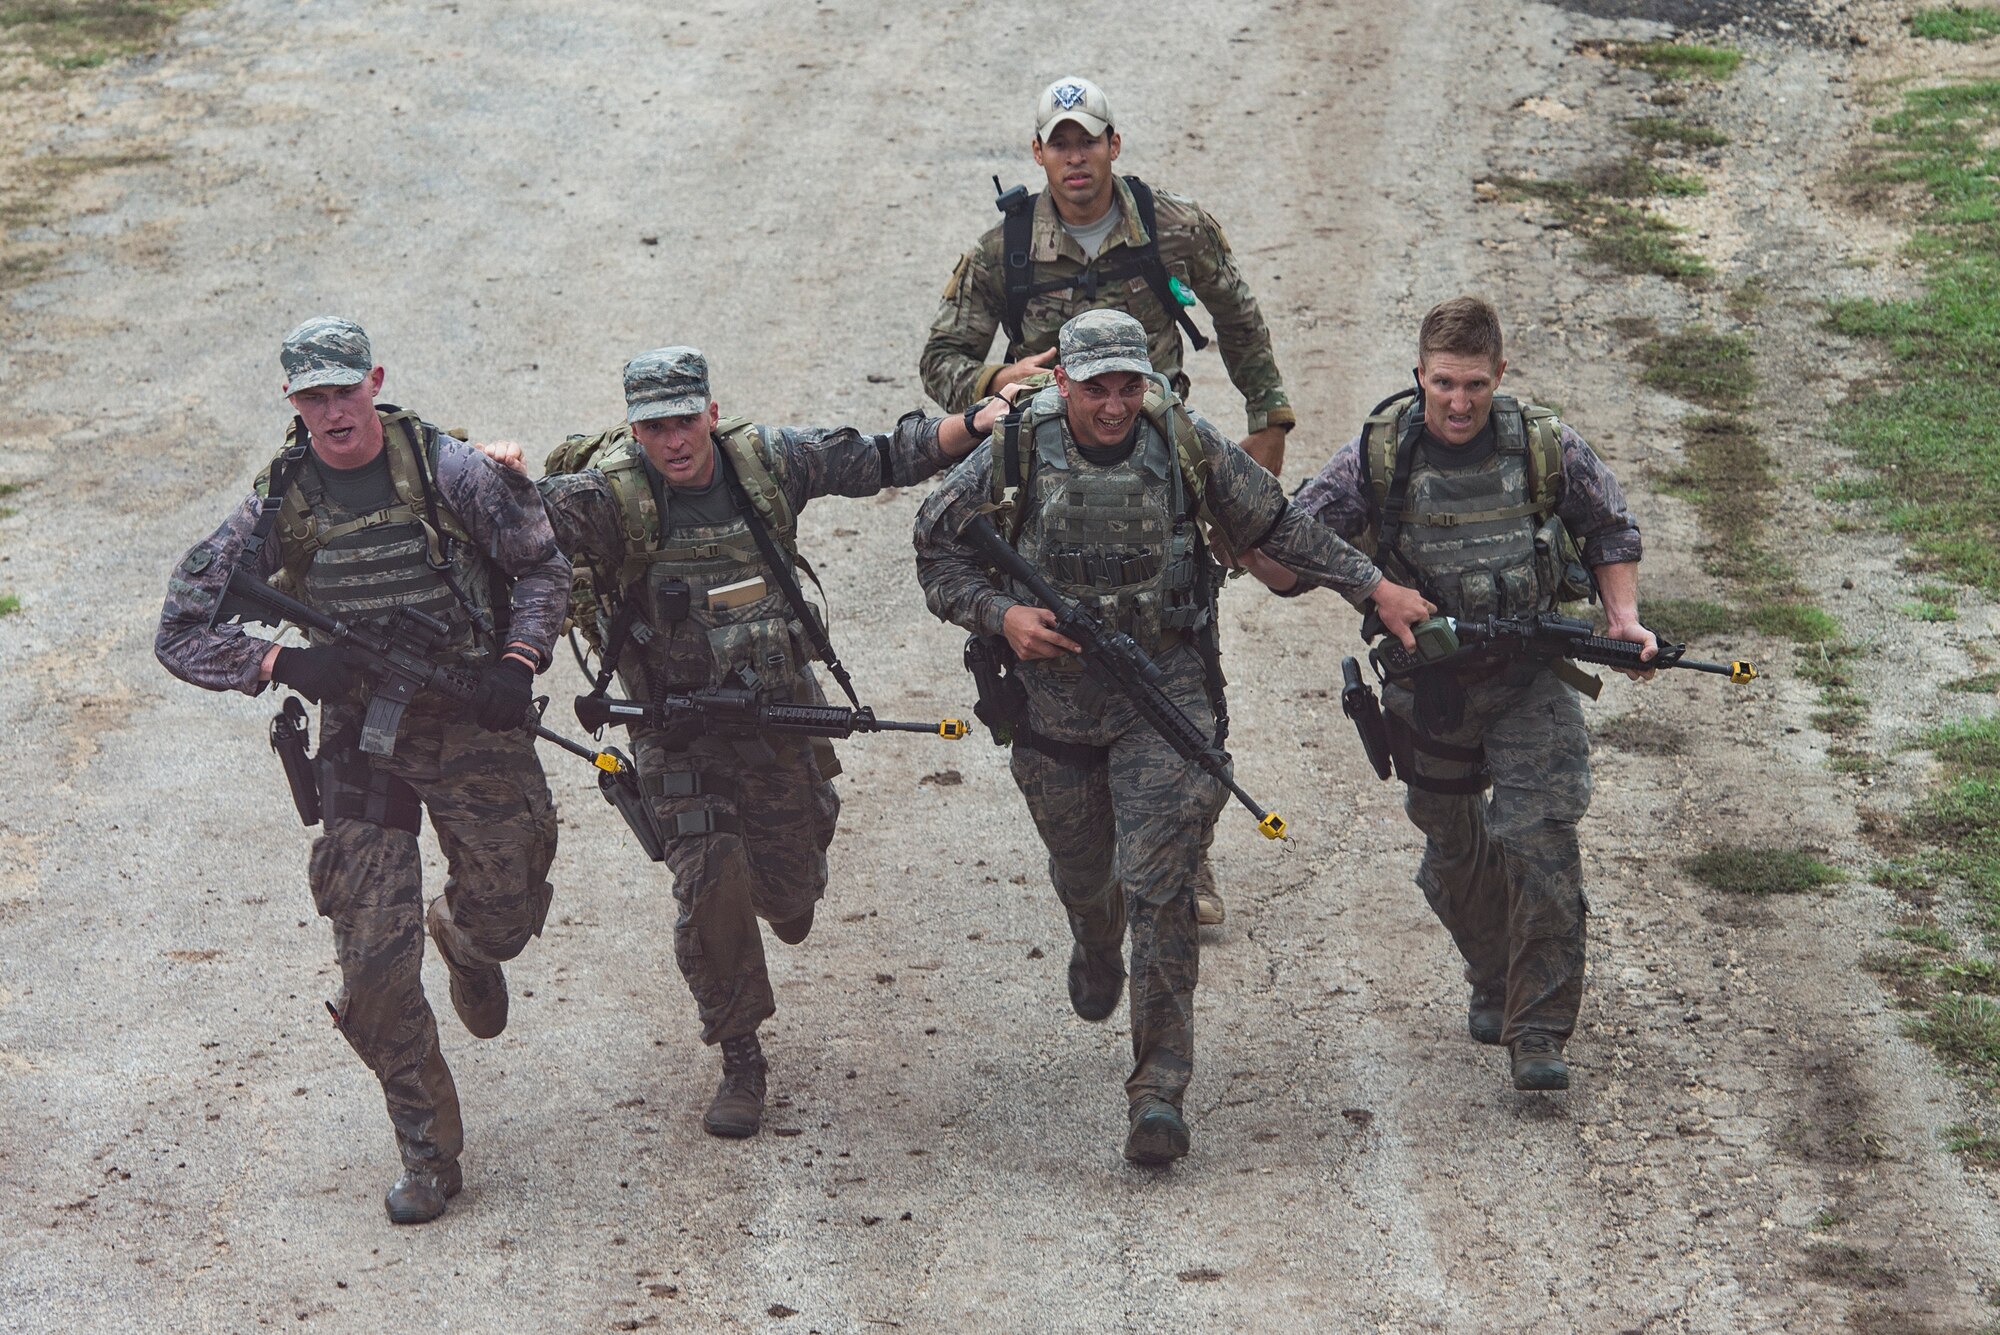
(773, 818)
(1124, 837)
(1502, 870)
(496, 825)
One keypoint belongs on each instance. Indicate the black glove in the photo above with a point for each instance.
(316, 672)
(505, 691)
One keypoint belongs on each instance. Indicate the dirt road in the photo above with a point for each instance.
(186, 1145)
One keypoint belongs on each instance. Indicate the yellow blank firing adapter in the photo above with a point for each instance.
(953, 729)
(1741, 672)
(1272, 826)
(607, 762)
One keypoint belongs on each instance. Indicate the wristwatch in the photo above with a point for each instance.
(972, 412)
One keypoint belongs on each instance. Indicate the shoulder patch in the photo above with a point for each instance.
(197, 560)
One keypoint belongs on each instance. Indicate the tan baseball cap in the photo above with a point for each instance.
(1072, 99)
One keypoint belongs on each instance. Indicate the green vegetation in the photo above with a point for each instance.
(1931, 938)
(1634, 177)
(1701, 366)
(1677, 60)
(1934, 438)
(1621, 236)
(1684, 620)
(1984, 684)
(1955, 23)
(1760, 871)
(1965, 1031)
(1968, 1139)
(81, 34)
(1668, 130)
(9, 604)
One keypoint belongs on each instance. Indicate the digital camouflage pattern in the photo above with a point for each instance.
(1193, 248)
(666, 382)
(488, 801)
(1503, 870)
(501, 512)
(767, 799)
(1124, 838)
(1249, 507)
(1098, 343)
(1589, 501)
(490, 809)
(325, 350)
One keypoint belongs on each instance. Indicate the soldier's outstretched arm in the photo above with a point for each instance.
(502, 512)
(954, 579)
(224, 658)
(844, 462)
(953, 363)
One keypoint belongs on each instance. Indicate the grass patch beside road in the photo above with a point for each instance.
(1955, 23)
(1669, 130)
(1677, 60)
(1617, 235)
(82, 34)
(1760, 871)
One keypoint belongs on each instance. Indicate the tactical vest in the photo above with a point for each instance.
(1483, 539)
(668, 576)
(1123, 540)
(413, 553)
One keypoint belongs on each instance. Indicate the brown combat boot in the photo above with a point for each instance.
(478, 991)
(419, 1195)
(1486, 1012)
(1538, 1062)
(737, 1109)
(1208, 910)
(1159, 1135)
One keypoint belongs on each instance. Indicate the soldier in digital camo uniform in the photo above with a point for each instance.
(1495, 494)
(663, 519)
(1097, 240)
(1112, 521)
(381, 512)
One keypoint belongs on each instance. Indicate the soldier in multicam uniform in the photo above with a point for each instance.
(379, 512)
(1493, 495)
(670, 517)
(1107, 507)
(1096, 240)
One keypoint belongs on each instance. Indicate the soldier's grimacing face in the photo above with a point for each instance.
(680, 446)
(342, 418)
(1078, 166)
(1458, 394)
(1101, 410)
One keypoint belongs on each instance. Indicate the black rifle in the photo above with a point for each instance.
(1118, 659)
(739, 709)
(1547, 635)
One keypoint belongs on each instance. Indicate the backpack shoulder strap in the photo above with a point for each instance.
(1154, 269)
(1017, 266)
(1013, 467)
(743, 440)
(1544, 432)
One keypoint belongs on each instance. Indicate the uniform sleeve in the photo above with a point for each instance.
(584, 516)
(956, 585)
(1241, 335)
(1592, 506)
(502, 512)
(225, 658)
(1250, 510)
(1337, 497)
(953, 364)
(840, 461)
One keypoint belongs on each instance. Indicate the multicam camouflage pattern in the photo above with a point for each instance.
(1124, 839)
(489, 806)
(773, 809)
(325, 350)
(1590, 502)
(1193, 248)
(502, 514)
(1503, 870)
(666, 382)
(1249, 507)
(1097, 343)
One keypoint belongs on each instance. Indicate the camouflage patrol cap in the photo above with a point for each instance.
(1072, 99)
(666, 382)
(1097, 343)
(325, 350)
